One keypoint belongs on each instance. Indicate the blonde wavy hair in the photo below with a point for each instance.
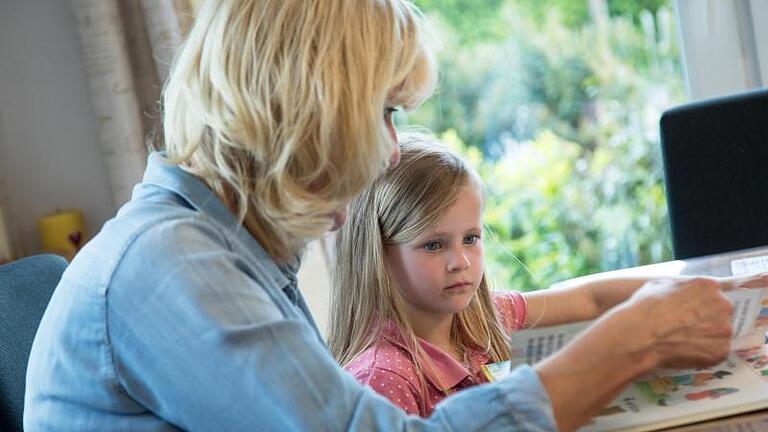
(278, 105)
(396, 209)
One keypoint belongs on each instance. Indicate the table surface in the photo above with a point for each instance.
(713, 265)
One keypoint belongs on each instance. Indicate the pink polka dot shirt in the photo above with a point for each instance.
(388, 369)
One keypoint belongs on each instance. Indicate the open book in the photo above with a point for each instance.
(666, 397)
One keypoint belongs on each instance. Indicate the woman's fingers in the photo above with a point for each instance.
(758, 280)
(755, 281)
(691, 321)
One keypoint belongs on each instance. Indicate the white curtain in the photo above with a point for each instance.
(724, 45)
(127, 47)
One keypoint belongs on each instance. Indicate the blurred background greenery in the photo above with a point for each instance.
(557, 104)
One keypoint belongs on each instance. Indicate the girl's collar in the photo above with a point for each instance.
(447, 371)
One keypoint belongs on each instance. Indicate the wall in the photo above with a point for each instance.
(49, 154)
(50, 157)
(315, 285)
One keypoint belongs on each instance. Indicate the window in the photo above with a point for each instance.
(557, 105)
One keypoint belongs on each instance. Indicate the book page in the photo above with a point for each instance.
(750, 310)
(669, 397)
(756, 357)
(748, 423)
(666, 398)
(749, 320)
(531, 346)
(750, 265)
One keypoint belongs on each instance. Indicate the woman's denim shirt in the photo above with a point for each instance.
(173, 317)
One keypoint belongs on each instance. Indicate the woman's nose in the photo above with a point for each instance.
(394, 159)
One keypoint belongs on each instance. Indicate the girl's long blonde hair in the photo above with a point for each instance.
(396, 209)
(278, 105)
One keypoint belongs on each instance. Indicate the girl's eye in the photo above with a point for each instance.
(471, 239)
(432, 246)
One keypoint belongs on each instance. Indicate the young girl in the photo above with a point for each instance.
(412, 313)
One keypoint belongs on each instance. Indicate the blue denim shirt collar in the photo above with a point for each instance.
(164, 174)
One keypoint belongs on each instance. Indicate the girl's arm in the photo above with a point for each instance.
(576, 300)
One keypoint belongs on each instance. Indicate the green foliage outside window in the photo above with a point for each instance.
(557, 104)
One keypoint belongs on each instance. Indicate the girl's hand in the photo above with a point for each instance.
(759, 280)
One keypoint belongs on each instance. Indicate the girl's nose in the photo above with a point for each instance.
(458, 261)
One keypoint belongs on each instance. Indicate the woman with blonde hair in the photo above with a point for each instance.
(183, 312)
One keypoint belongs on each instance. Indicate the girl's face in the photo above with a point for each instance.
(439, 272)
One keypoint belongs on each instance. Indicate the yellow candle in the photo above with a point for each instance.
(62, 233)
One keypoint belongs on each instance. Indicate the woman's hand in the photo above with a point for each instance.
(758, 280)
(665, 323)
(688, 323)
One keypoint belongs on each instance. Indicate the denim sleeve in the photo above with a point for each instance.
(197, 338)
